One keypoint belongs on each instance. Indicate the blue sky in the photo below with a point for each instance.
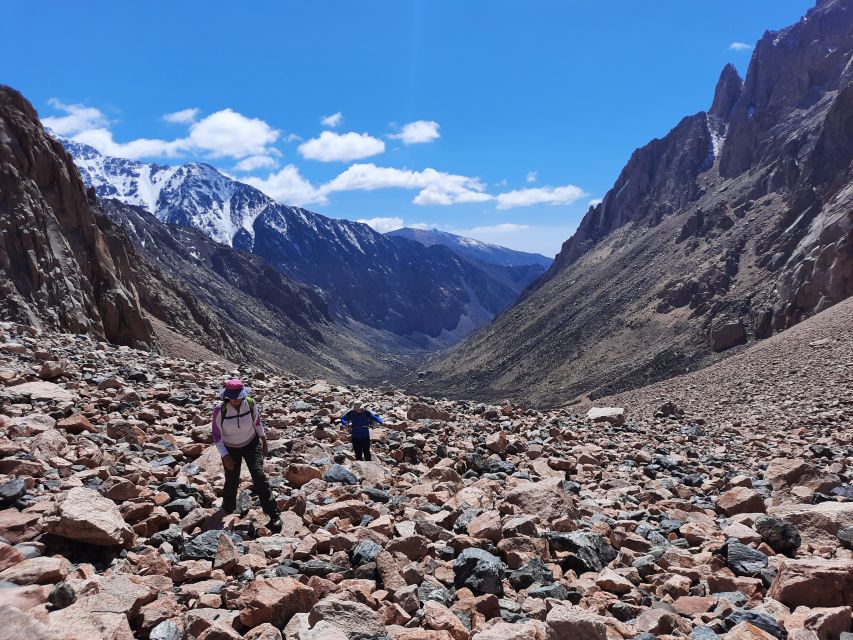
(500, 120)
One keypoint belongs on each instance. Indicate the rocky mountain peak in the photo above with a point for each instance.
(728, 91)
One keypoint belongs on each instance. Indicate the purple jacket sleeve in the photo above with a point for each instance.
(217, 431)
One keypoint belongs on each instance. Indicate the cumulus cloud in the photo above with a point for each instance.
(423, 226)
(184, 116)
(224, 134)
(740, 46)
(542, 195)
(333, 120)
(288, 185)
(595, 202)
(383, 225)
(102, 140)
(418, 132)
(227, 133)
(255, 162)
(341, 147)
(531, 176)
(436, 187)
(77, 118)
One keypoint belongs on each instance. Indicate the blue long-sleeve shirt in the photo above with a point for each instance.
(360, 421)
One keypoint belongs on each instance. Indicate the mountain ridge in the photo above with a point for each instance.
(482, 251)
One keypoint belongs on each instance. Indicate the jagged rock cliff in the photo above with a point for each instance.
(735, 225)
(60, 266)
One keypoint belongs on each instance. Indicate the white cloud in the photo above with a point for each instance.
(532, 176)
(595, 202)
(383, 225)
(418, 132)
(78, 118)
(102, 140)
(436, 187)
(288, 186)
(333, 120)
(227, 133)
(341, 147)
(422, 226)
(185, 116)
(255, 162)
(542, 195)
(740, 46)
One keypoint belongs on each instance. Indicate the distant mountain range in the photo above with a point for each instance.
(482, 251)
(735, 225)
(430, 294)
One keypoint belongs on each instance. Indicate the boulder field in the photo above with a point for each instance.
(472, 521)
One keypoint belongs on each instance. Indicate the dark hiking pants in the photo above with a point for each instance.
(361, 447)
(253, 454)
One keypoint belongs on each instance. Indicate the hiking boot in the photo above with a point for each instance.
(274, 524)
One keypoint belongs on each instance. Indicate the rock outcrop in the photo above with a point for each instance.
(62, 268)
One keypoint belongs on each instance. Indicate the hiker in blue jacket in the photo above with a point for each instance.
(359, 420)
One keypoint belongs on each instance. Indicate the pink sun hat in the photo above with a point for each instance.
(234, 389)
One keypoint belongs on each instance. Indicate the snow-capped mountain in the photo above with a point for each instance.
(193, 194)
(482, 251)
(387, 283)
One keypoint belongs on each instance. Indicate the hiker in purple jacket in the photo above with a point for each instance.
(238, 434)
(359, 420)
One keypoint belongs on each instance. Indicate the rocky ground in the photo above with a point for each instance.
(490, 522)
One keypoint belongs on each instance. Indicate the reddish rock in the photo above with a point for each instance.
(353, 510)
(78, 622)
(693, 606)
(575, 623)
(19, 625)
(814, 582)
(817, 523)
(9, 556)
(78, 423)
(300, 474)
(227, 554)
(421, 411)
(41, 570)
(274, 600)
(86, 516)
(487, 525)
(545, 499)
(661, 621)
(17, 526)
(263, 632)
(496, 442)
(740, 500)
(440, 618)
(786, 472)
(825, 623)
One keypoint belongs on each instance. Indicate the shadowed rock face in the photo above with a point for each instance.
(61, 266)
(735, 225)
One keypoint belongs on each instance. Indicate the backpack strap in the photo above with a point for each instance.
(249, 401)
